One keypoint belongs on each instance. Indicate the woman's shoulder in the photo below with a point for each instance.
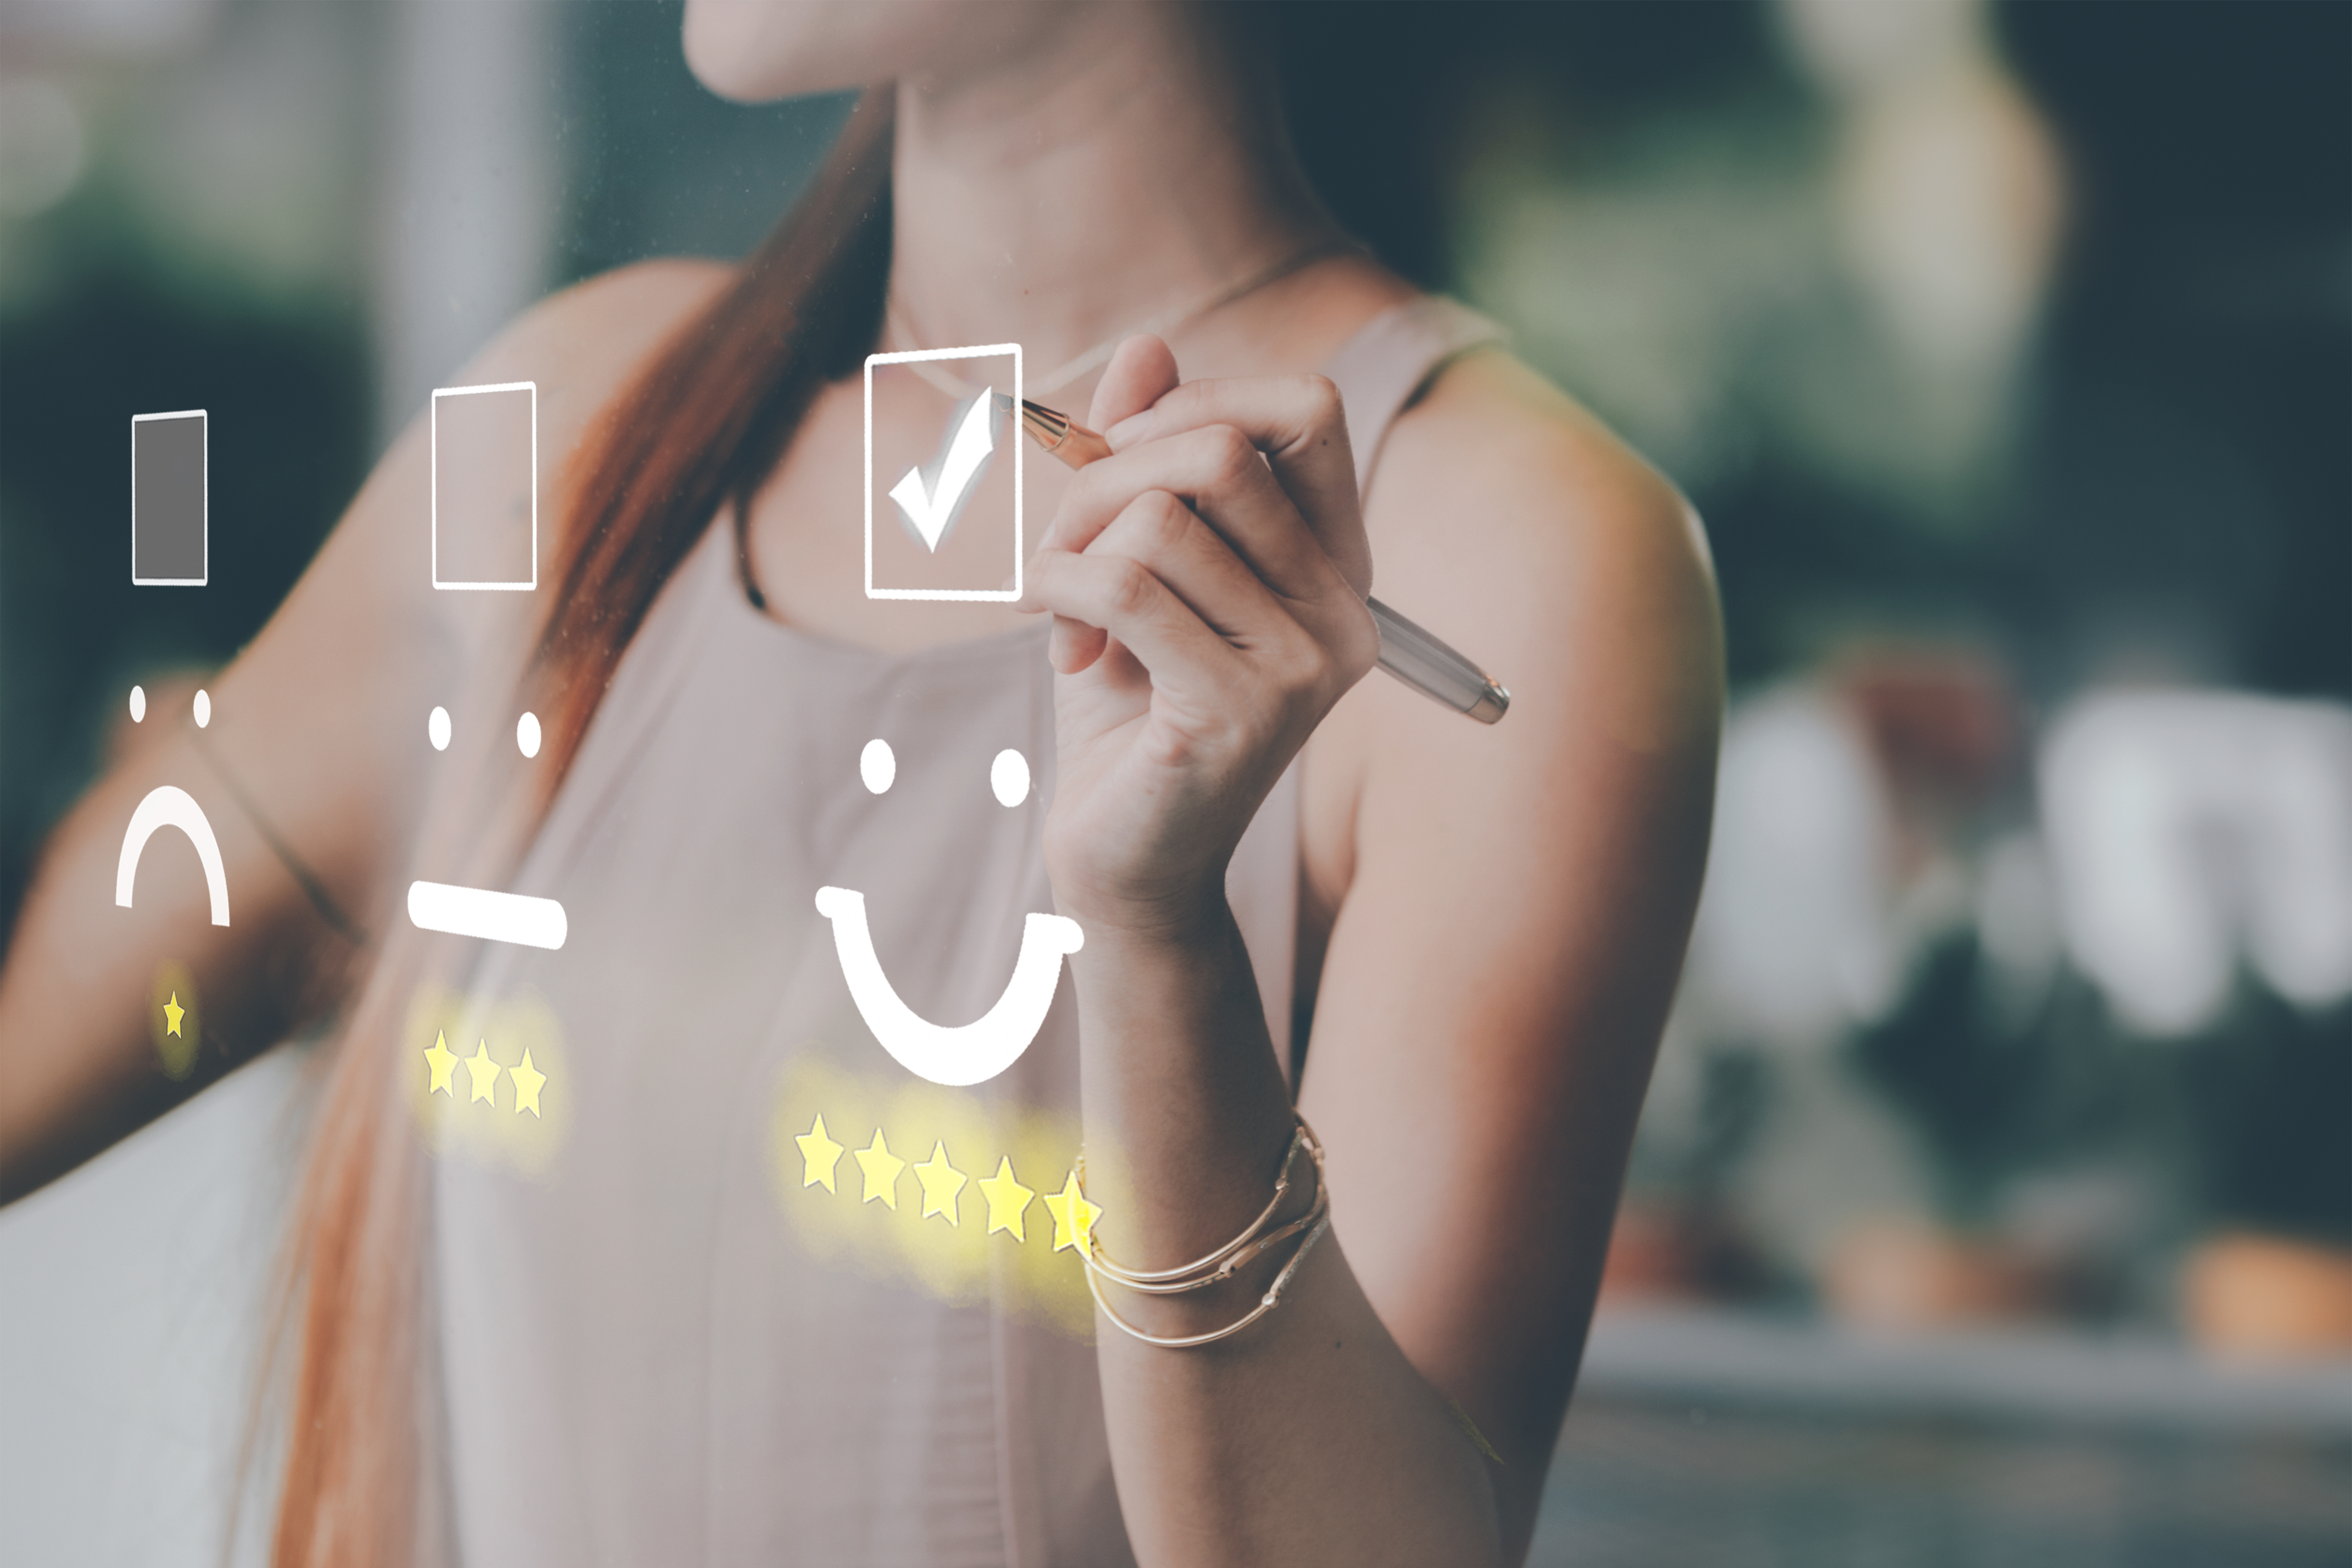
(581, 345)
(1513, 509)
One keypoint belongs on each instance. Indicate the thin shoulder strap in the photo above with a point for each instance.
(1391, 358)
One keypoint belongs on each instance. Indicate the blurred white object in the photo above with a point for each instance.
(2185, 828)
(1796, 937)
(86, 28)
(1949, 211)
(467, 223)
(1876, 46)
(2017, 927)
(1948, 193)
(2016, 907)
(43, 149)
(133, 1293)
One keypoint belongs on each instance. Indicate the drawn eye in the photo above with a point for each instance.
(1009, 778)
(527, 735)
(877, 766)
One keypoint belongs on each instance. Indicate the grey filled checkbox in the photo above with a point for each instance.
(168, 501)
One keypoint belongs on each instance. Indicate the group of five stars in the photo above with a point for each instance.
(942, 1184)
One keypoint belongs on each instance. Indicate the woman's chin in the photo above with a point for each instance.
(755, 51)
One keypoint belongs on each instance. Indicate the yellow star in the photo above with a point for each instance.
(881, 1168)
(941, 1183)
(1074, 1216)
(172, 1013)
(819, 1155)
(485, 1072)
(443, 1061)
(1008, 1201)
(527, 1081)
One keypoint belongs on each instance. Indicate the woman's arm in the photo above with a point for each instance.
(1511, 910)
(296, 729)
(319, 725)
(1506, 945)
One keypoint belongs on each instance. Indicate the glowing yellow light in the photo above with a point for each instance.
(941, 1183)
(516, 1038)
(819, 1155)
(881, 1168)
(1074, 1216)
(172, 1013)
(443, 1061)
(527, 1081)
(485, 1072)
(1008, 1200)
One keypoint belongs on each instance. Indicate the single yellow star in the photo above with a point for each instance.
(443, 1061)
(881, 1168)
(941, 1183)
(819, 1155)
(527, 1081)
(1008, 1201)
(1074, 1216)
(485, 1072)
(172, 1013)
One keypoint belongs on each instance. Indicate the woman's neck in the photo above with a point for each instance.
(1117, 169)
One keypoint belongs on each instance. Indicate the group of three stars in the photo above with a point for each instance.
(942, 1184)
(483, 1074)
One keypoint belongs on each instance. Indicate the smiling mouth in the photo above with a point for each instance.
(974, 1052)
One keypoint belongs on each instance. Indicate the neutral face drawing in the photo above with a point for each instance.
(970, 1052)
(485, 536)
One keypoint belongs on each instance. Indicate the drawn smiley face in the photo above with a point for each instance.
(979, 1050)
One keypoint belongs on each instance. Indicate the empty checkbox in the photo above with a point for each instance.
(486, 487)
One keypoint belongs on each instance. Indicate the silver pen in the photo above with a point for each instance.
(1408, 652)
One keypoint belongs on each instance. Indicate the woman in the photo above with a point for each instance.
(645, 1320)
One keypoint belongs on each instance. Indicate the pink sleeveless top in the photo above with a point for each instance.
(680, 1320)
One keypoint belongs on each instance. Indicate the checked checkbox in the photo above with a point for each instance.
(943, 476)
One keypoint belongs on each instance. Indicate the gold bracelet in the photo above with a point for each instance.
(1230, 1264)
(1220, 1264)
(1266, 1303)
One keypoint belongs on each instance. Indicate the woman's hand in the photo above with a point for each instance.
(1208, 584)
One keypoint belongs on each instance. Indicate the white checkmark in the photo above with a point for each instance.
(932, 510)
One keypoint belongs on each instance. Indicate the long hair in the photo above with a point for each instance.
(699, 427)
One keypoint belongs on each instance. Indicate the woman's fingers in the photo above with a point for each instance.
(1159, 533)
(1127, 599)
(1222, 540)
(1163, 535)
(1298, 422)
(1229, 485)
(1283, 645)
(1141, 371)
